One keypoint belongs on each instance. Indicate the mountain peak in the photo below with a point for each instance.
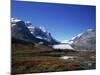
(15, 20)
(28, 23)
(89, 29)
(85, 40)
(43, 29)
(24, 30)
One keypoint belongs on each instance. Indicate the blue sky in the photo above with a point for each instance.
(63, 21)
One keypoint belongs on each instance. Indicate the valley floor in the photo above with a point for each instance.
(30, 59)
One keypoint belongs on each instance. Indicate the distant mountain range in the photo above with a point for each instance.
(83, 41)
(25, 32)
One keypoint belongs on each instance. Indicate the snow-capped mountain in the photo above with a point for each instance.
(20, 31)
(40, 33)
(27, 32)
(85, 40)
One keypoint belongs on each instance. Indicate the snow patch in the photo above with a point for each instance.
(90, 30)
(31, 27)
(39, 37)
(67, 57)
(79, 35)
(15, 20)
(43, 29)
(62, 46)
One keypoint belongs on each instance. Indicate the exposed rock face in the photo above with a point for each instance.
(85, 41)
(25, 31)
